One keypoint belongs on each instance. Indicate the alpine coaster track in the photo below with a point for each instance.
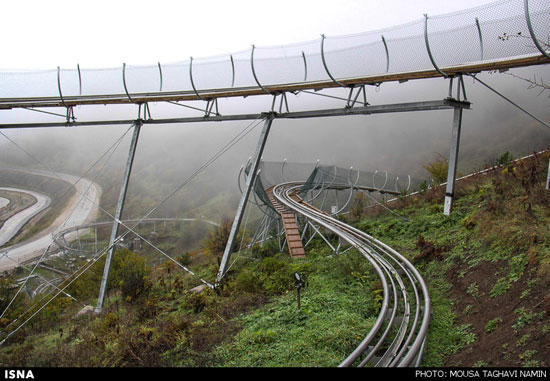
(398, 336)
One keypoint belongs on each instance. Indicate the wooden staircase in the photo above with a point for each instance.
(293, 238)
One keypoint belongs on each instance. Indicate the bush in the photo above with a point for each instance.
(438, 169)
(131, 274)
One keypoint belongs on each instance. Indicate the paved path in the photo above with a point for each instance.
(80, 210)
(13, 224)
(3, 202)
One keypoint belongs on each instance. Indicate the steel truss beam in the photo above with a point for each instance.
(445, 104)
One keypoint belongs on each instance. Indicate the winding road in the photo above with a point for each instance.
(82, 208)
(12, 225)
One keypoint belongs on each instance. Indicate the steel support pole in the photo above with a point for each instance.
(118, 214)
(453, 159)
(251, 179)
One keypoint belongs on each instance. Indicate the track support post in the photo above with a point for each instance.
(118, 214)
(453, 159)
(250, 180)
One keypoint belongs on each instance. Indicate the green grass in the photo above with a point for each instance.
(254, 321)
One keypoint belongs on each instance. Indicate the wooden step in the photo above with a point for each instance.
(290, 224)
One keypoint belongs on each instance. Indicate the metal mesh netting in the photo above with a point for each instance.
(495, 32)
(322, 177)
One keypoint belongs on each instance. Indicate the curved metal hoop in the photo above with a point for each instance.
(357, 179)
(160, 74)
(397, 183)
(283, 171)
(79, 80)
(239, 179)
(532, 31)
(478, 25)
(385, 182)
(124, 82)
(387, 54)
(352, 188)
(254, 71)
(325, 62)
(428, 48)
(305, 66)
(59, 86)
(232, 70)
(192, 82)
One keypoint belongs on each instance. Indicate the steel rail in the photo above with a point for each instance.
(400, 351)
(389, 296)
(60, 240)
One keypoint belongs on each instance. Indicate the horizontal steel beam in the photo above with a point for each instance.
(444, 104)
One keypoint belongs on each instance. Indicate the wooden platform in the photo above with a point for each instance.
(293, 238)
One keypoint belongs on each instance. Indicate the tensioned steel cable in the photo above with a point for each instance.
(112, 148)
(509, 100)
(85, 268)
(250, 127)
(45, 251)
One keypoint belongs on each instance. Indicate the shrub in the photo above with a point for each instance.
(132, 275)
(438, 169)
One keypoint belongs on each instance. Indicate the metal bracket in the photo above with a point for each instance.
(361, 89)
(70, 115)
(146, 111)
(460, 91)
(283, 99)
(210, 104)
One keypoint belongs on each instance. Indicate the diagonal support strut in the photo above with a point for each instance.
(118, 214)
(251, 179)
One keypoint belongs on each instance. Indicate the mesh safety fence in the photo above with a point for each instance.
(495, 32)
(319, 178)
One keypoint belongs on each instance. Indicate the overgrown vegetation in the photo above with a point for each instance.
(487, 267)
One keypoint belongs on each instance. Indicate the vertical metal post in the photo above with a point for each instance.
(548, 177)
(453, 159)
(250, 180)
(118, 214)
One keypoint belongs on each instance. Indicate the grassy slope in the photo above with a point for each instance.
(487, 268)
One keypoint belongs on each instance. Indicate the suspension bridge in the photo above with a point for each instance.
(499, 36)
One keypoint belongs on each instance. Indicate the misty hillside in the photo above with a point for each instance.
(486, 266)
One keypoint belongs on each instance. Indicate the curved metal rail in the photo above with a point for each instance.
(398, 335)
(60, 240)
